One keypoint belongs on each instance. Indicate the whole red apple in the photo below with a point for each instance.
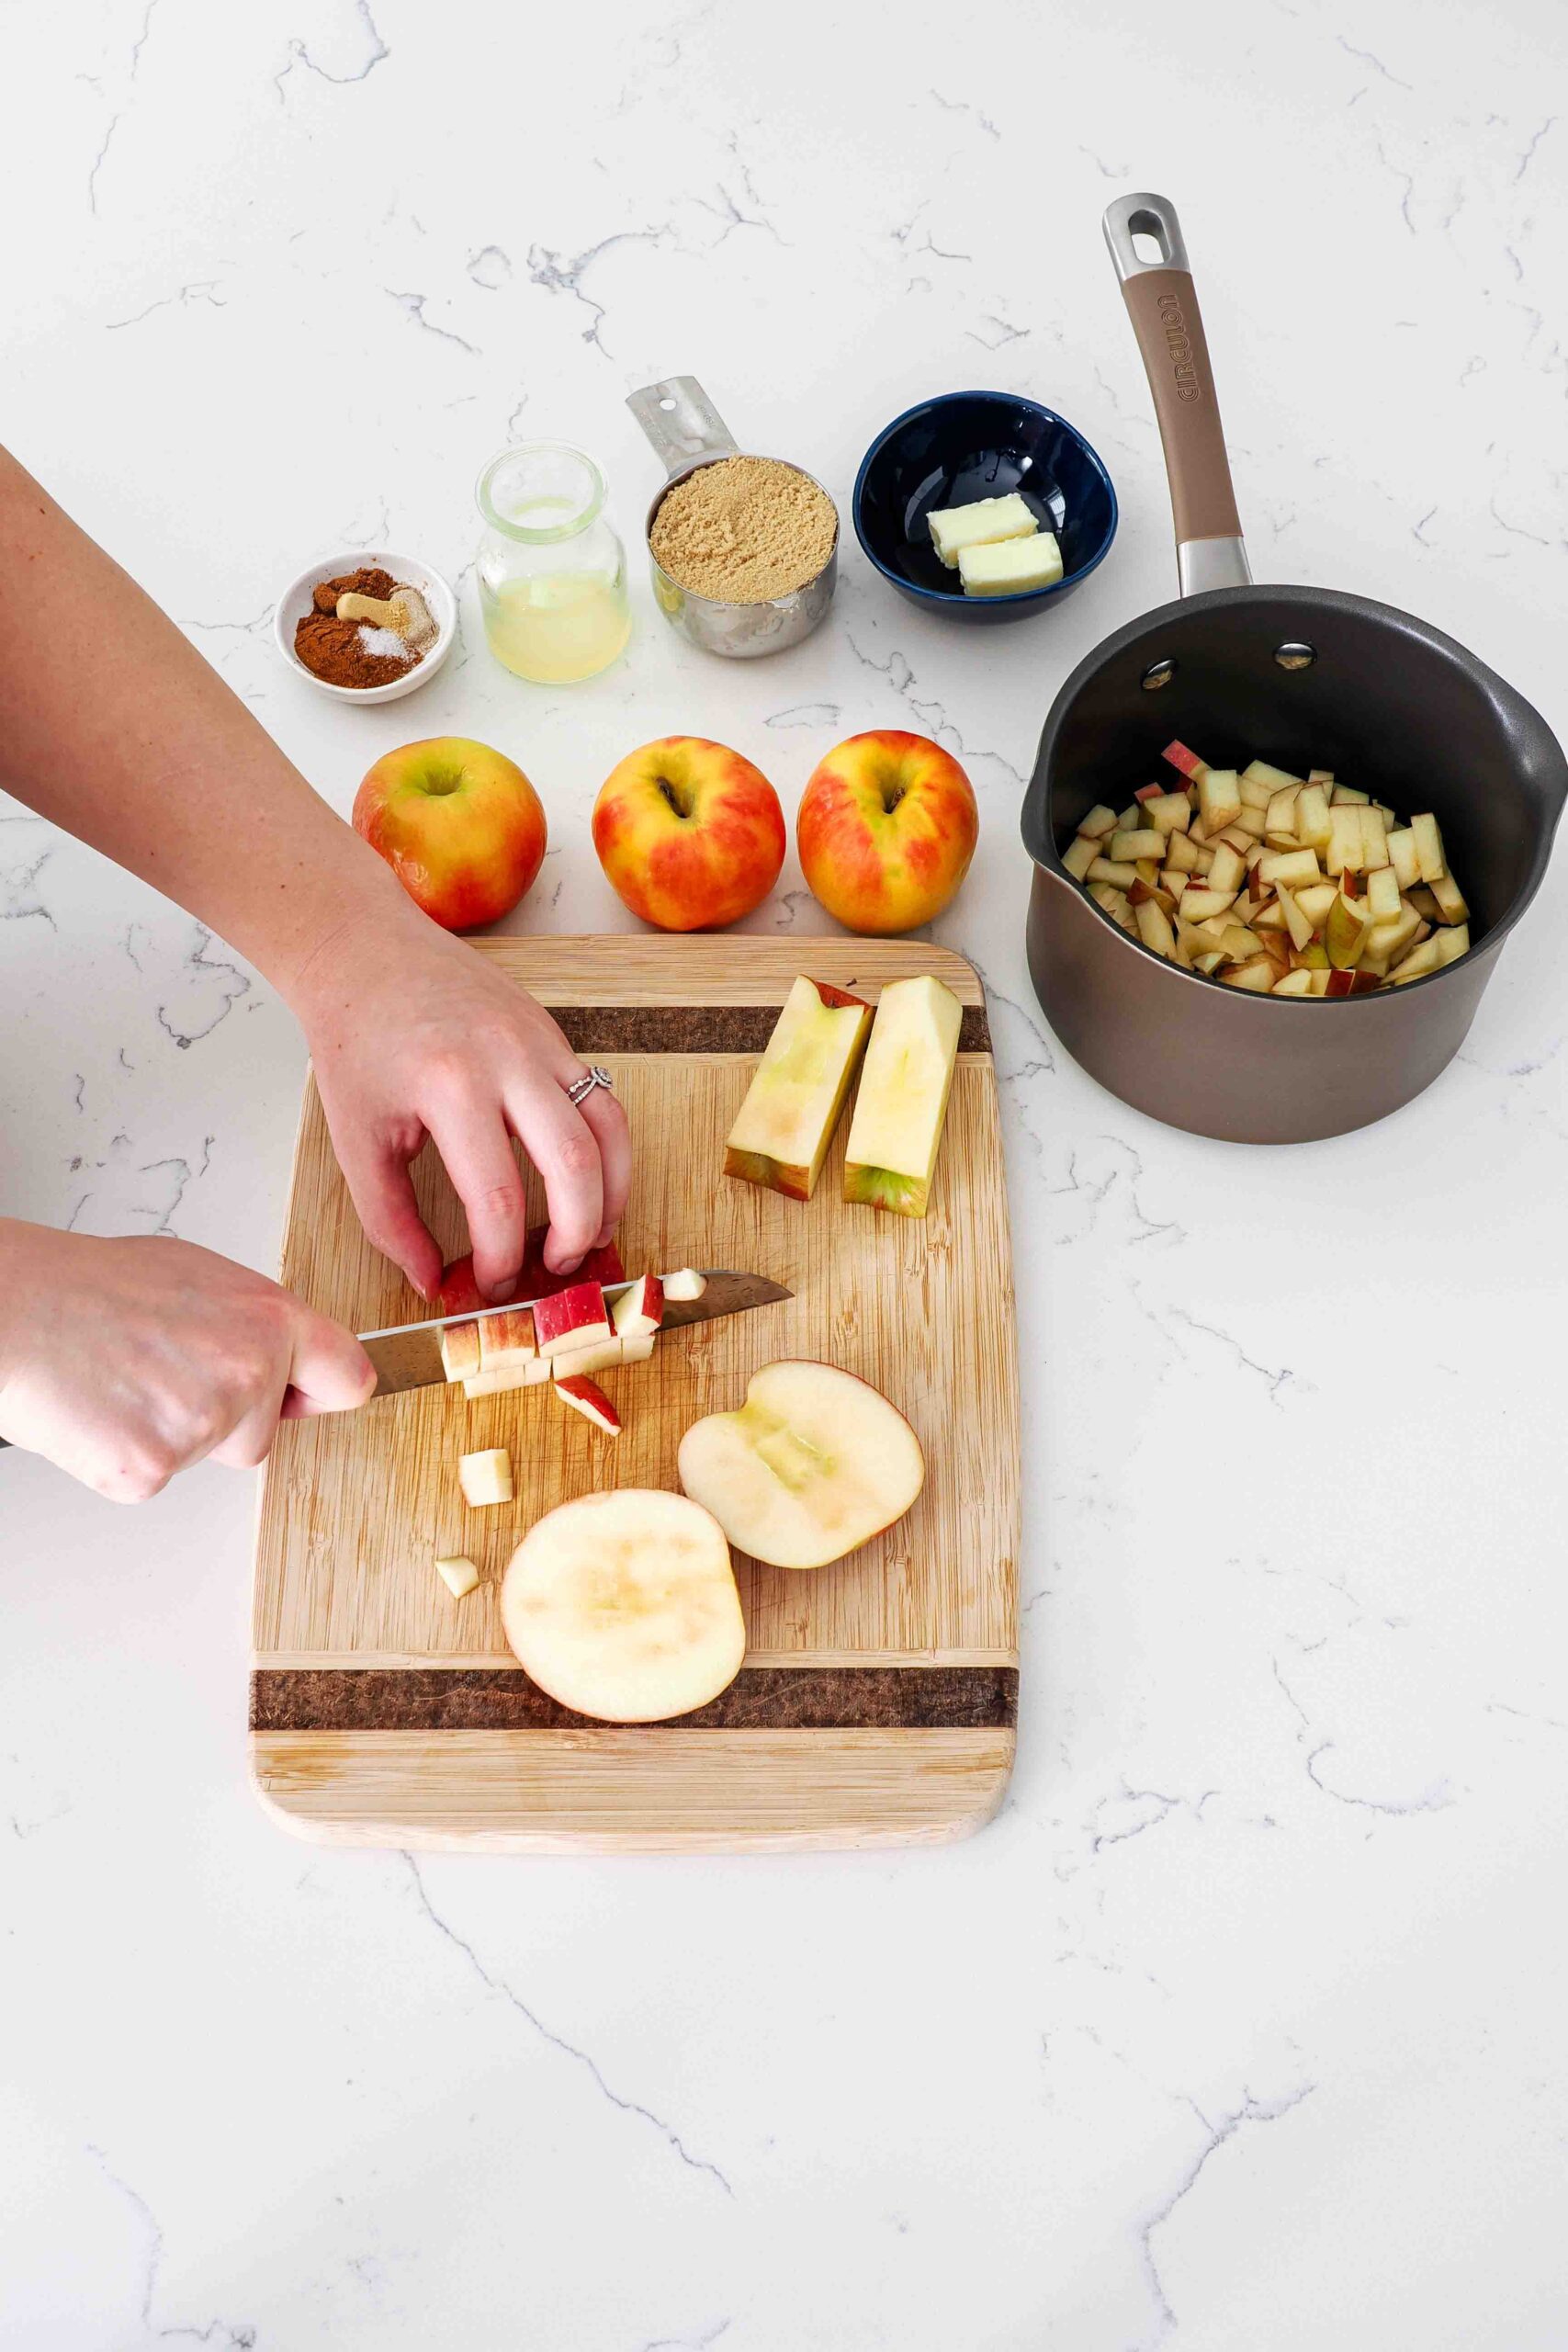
(690, 833)
(458, 823)
(887, 828)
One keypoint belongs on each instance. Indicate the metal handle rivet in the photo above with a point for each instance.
(1158, 675)
(1295, 657)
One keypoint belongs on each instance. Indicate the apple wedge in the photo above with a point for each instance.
(622, 1606)
(586, 1396)
(573, 1318)
(485, 1477)
(685, 1286)
(812, 1465)
(896, 1128)
(458, 1574)
(784, 1127)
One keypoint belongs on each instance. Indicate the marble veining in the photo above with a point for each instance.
(1241, 2026)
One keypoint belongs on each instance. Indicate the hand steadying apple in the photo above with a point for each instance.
(163, 769)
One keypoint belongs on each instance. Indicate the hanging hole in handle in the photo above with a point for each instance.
(1146, 234)
(667, 403)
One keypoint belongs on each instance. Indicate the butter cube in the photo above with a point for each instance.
(1011, 566)
(978, 523)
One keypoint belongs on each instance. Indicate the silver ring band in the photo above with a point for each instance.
(581, 1088)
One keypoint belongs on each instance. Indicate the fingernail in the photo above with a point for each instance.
(568, 1266)
(605, 1237)
(497, 1294)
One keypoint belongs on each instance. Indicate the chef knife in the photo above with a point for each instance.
(407, 1356)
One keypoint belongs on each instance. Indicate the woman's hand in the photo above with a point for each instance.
(413, 1034)
(126, 1361)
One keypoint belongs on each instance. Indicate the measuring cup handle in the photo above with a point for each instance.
(1162, 303)
(681, 423)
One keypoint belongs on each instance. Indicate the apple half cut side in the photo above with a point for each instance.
(622, 1606)
(586, 1396)
(784, 1127)
(812, 1465)
(902, 1104)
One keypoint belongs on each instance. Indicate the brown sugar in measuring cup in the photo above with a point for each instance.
(743, 549)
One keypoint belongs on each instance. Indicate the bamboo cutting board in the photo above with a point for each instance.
(877, 1701)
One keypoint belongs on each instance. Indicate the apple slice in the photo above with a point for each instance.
(486, 1476)
(639, 1309)
(1345, 935)
(683, 1286)
(586, 1396)
(506, 1339)
(812, 1465)
(534, 1372)
(784, 1127)
(458, 1574)
(572, 1363)
(622, 1606)
(459, 1345)
(572, 1319)
(896, 1128)
(1430, 858)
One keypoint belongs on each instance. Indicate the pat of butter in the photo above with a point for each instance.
(978, 523)
(1008, 566)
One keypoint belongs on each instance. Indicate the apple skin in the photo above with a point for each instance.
(458, 823)
(690, 833)
(887, 829)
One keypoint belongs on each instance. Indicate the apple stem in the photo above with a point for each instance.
(681, 803)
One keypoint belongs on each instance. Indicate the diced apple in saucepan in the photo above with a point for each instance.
(1275, 885)
(622, 1606)
(784, 1127)
(485, 1477)
(896, 1131)
(813, 1465)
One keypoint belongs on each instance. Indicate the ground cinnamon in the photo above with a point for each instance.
(336, 651)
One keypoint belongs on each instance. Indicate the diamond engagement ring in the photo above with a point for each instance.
(580, 1088)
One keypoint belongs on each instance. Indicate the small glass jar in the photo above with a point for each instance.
(552, 573)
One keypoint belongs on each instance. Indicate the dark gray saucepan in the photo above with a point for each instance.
(1299, 676)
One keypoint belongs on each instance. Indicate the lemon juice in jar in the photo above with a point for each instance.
(552, 573)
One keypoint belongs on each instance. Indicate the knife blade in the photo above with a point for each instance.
(407, 1356)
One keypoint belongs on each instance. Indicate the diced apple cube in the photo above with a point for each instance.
(1345, 798)
(1219, 798)
(1449, 898)
(685, 1286)
(1296, 868)
(1296, 922)
(1257, 976)
(1153, 927)
(1297, 983)
(603, 1355)
(1402, 857)
(1383, 894)
(1098, 823)
(1168, 812)
(1374, 840)
(1252, 823)
(1182, 852)
(1115, 905)
(573, 1318)
(637, 1347)
(1201, 905)
(1191, 767)
(485, 1477)
(1279, 817)
(1112, 870)
(533, 1374)
(1345, 934)
(1417, 964)
(639, 1309)
(1345, 844)
(1129, 847)
(1226, 869)
(1080, 855)
(458, 1574)
(459, 1345)
(1316, 902)
(1313, 821)
(506, 1339)
(1429, 857)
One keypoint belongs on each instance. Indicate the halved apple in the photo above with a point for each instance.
(813, 1465)
(896, 1128)
(622, 1606)
(784, 1127)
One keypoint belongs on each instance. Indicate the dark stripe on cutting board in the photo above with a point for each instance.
(703, 1028)
(761, 1698)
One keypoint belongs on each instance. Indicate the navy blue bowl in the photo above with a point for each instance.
(964, 445)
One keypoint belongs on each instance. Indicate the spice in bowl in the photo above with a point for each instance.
(364, 629)
(744, 530)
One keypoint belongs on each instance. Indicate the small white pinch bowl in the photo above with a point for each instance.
(299, 595)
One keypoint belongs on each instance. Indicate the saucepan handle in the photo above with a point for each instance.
(1163, 306)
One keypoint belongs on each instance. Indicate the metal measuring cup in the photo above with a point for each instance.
(686, 431)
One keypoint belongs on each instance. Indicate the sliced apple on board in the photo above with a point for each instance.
(571, 1319)
(485, 1477)
(902, 1104)
(459, 1345)
(534, 1372)
(622, 1606)
(457, 1573)
(812, 1465)
(784, 1127)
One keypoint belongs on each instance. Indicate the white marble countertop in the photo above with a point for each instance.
(1241, 2028)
